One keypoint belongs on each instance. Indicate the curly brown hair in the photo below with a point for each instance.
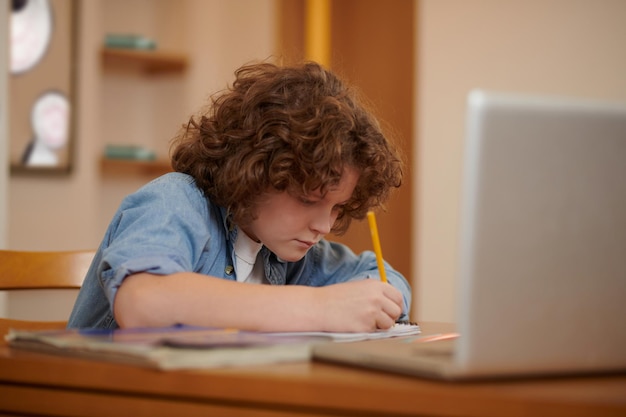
(288, 129)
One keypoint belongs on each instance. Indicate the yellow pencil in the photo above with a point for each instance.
(371, 218)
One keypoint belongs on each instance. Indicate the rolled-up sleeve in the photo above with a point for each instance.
(161, 229)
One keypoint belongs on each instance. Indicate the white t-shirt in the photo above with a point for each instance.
(248, 265)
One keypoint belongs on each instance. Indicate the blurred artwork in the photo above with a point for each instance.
(49, 119)
(31, 30)
(42, 54)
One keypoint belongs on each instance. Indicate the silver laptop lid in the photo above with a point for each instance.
(543, 235)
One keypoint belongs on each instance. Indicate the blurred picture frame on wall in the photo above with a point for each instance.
(42, 83)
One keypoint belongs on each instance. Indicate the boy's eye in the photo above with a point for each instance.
(306, 201)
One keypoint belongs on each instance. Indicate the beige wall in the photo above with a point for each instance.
(4, 129)
(563, 47)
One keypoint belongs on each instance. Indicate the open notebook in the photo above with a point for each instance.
(184, 347)
(542, 271)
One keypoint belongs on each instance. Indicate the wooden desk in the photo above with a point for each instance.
(38, 384)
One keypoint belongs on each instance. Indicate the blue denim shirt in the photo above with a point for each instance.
(169, 226)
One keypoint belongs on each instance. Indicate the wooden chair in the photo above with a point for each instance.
(24, 270)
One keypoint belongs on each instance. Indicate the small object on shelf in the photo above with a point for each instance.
(128, 41)
(130, 152)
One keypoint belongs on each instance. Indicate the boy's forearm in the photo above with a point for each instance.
(146, 300)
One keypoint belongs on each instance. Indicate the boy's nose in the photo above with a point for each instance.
(323, 222)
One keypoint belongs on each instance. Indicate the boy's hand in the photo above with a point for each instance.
(359, 306)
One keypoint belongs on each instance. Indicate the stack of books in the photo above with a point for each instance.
(128, 41)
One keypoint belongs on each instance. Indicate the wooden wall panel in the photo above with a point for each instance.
(373, 48)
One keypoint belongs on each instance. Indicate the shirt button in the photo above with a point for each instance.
(229, 270)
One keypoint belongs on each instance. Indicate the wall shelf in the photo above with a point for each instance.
(147, 61)
(126, 167)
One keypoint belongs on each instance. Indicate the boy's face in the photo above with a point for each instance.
(289, 225)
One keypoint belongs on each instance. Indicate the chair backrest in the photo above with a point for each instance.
(26, 270)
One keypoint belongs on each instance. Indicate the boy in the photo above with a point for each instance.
(234, 237)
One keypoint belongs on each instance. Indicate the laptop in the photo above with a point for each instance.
(542, 268)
